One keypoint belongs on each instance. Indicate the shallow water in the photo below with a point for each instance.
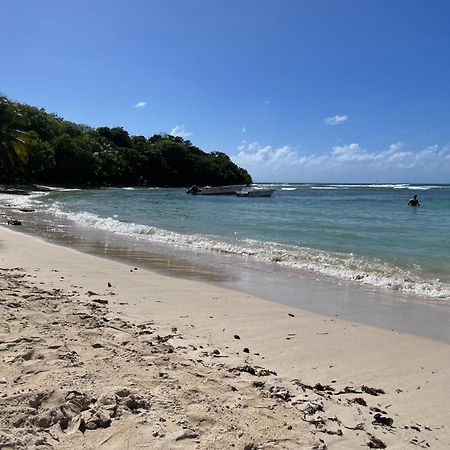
(364, 233)
(309, 246)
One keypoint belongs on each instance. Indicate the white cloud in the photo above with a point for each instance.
(345, 163)
(244, 129)
(351, 152)
(336, 120)
(179, 130)
(140, 104)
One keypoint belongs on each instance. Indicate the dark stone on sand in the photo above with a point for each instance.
(382, 420)
(236, 336)
(375, 442)
(360, 401)
(291, 315)
(27, 210)
(377, 410)
(109, 284)
(100, 301)
(215, 352)
(248, 369)
(322, 388)
(246, 350)
(14, 222)
(372, 391)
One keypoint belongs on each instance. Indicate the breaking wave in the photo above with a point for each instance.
(344, 266)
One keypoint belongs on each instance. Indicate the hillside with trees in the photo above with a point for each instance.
(40, 147)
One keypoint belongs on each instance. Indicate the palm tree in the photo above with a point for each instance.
(14, 143)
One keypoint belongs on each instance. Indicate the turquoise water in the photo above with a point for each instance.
(363, 233)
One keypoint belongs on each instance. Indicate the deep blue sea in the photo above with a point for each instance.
(366, 234)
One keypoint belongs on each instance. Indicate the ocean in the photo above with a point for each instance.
(360, 234)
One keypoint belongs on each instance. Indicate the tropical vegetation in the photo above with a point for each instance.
(40, 147)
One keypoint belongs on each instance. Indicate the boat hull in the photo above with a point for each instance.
(216, 190)
(256, 193)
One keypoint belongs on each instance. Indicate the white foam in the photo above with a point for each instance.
(22, 201)
(339, 265)
(324, 188)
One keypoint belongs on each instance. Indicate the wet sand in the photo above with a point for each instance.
(92, 348)
(317, 293)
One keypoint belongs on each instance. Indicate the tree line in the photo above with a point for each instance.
(41, 147)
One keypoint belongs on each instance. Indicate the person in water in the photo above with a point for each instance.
(414, 201)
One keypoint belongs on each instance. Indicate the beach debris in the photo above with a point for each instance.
(372, 391)
(236, 336)
(358, 400)
(109, 284)
(246, 350)
(358, 427)
(318, 388)
(349, 390)
(162, 339)
(256, 371)
(26, 210)
(377, 410)
(313, 408)
(260, 372)
(382, 420)
(280, 393)
(291, 315)
(14, 222)
(100, 301)
(188, 434)
(320, 446)
(374, 442)
(250, 446)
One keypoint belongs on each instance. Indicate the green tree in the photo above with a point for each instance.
(41, 147)
(14, 142)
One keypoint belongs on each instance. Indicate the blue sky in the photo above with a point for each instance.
(292, 90)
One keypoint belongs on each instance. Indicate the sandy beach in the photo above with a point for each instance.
(99, 354)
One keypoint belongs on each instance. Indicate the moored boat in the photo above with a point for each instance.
(255, 192)
(231, 189)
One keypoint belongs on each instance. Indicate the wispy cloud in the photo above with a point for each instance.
(345, 163)
(180, 130)
(140, 104)
(336, 120)
(267, 102)
(244, 129)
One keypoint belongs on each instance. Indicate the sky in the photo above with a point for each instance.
(291, 90)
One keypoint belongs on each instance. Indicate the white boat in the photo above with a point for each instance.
(246, 192)
(231, 189)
